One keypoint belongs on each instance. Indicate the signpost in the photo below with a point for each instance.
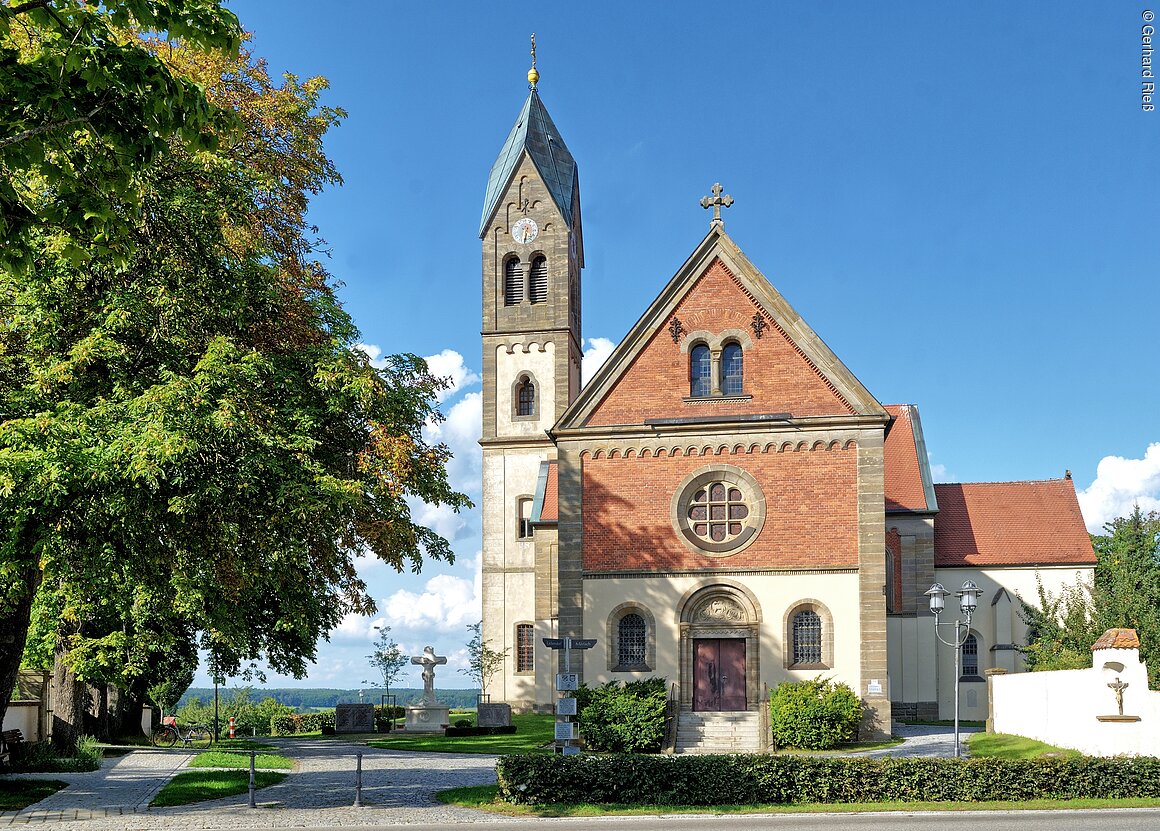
(567, 681)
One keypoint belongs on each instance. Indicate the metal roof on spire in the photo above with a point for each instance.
(535, 133)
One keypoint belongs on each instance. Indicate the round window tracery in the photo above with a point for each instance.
(718, 510)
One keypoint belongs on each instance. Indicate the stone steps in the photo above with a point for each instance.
(699, 732)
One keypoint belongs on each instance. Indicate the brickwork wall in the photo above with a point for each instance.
(811, 511)
(777, 376)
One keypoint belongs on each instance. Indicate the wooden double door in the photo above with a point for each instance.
(719, 674)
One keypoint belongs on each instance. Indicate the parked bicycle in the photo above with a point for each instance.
(168, 734)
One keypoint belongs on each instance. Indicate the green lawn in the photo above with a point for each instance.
(243, 744)
(483, 797)
(852, 747)
(1004, 746)
(200, 785)
(532, 733)
(226, 759)
(20, 793)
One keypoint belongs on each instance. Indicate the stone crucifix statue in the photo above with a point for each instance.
(428, 660)
(1118, 687)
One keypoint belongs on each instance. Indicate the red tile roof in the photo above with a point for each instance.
(550, 512)
(1010, 523)
(904, 491)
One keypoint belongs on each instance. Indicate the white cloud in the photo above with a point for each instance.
(938, 473)
(446, 604)
(449, 364)
(1120, 484)
(373, 352)
(596, 352)
(460, 431)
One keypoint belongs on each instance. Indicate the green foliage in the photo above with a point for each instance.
(201, 785)
(482, 661)
(388, 658)
(250, 717)
(289, 725)
(89, 105)
(42, 757)
(1006, 746)
(20, 793)
(306, 698)
(764, 779)
(623, 718)
(240, 761)
(1124, 594)
(814, 714)
(533, 733)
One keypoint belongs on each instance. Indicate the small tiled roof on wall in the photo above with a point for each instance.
(907, 471)
(1010, 523)
(545, 508)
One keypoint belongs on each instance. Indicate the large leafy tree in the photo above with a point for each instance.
(190, 444)
(84, 109)
(1125, 593)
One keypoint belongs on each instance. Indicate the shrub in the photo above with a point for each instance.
(385, 716)
(623, 719)
(41, 757)
(760, 779)
(814, 715)
(288, 725)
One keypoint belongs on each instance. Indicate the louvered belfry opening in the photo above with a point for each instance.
(513, 282)
(538, 287)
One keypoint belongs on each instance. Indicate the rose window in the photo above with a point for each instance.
(717, 513)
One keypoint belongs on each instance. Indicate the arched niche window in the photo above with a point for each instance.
(538, 285)
(513, 282)
(631, 638)
(971, 655)
(525, 647)
(526, 397)
(809, 636)
(731, 370)
(700, 371)
(631, 641)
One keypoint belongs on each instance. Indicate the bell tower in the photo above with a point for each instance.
(533, 252)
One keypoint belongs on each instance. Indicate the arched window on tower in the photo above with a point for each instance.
(513, 282)
(731, 370)
(700, 372)
(538, 286)
(526, 398)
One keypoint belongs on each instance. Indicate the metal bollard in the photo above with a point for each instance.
(253, 784)
(358, 781)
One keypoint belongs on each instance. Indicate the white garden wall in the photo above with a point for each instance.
(1063, 708)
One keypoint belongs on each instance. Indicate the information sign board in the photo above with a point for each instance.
(566, 706)
(565, 731)
(567, 681)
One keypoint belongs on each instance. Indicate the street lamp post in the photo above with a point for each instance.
(968, 601)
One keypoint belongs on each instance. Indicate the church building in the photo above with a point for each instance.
(724, 504)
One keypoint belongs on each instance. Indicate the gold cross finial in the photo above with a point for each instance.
(716, 202)
(533, 73)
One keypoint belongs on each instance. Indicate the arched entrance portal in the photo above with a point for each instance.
(719, 648)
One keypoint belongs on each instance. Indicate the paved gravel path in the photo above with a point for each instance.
(398, 789)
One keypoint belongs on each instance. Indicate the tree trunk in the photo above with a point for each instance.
(13, 635)
(69, 703)
(101, 726)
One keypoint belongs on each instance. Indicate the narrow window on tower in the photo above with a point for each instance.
(524, 512)
(513, 282)
(525, 647)
(526, 397)
(731, 370)
(700, 372)
(538, 287)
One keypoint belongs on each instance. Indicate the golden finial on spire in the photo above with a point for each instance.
(533, 75)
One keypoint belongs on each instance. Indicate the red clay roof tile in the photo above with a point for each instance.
(550, 512)
(1010, 523)
(904, 491)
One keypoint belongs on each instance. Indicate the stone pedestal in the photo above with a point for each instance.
(427, 718)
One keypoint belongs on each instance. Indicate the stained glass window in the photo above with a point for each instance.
(807, 637)
(631, 637)
(717, 512)
(700, 372)
(971, 655)
(731, 370)
(525, 647)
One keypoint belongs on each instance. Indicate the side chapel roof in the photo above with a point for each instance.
(535, 133)
(908, 483)
(1010, 523)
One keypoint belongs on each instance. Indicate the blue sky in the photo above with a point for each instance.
(959, 198)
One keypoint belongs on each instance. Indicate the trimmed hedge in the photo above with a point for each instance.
(623, 718)
(761, 779)
(300, 723)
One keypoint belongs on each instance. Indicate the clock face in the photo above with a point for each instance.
(525, 230)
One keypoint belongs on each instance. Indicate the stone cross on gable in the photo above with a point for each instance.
(716, 202)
